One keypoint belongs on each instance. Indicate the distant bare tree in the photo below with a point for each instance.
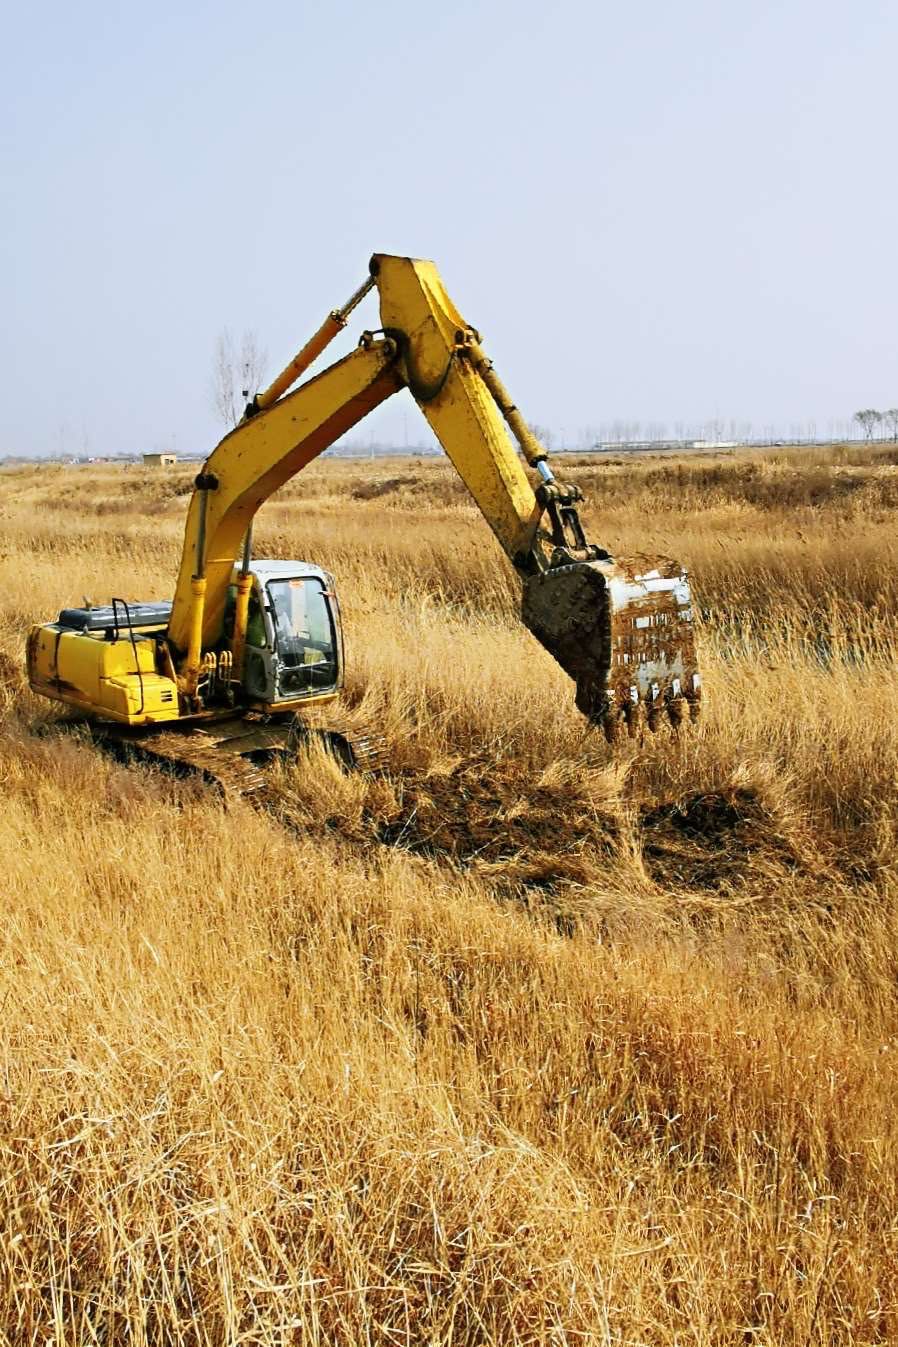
(545, 436)
(868, 418)
(891, 419)
(236, 375)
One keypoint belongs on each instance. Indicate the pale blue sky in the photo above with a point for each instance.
(654, 212)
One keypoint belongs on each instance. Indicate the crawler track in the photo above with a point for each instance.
(233, 755)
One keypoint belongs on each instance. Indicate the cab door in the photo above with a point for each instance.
(260, 654)
(306, 645)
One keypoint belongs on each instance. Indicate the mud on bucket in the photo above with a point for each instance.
(622, 629)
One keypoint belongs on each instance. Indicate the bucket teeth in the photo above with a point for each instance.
(675, 709)
(622, 629)
(634, 715)
(611, 725)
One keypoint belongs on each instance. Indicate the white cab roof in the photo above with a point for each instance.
(287, 570)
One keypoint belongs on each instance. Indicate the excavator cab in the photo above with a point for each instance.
(293, 646)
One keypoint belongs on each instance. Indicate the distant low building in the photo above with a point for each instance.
(159, 460)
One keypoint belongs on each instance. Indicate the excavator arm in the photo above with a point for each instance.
(621, 629)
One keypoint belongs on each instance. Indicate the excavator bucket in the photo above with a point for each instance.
(622, 629)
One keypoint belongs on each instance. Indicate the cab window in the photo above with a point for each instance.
(302, 619)
(255, 622)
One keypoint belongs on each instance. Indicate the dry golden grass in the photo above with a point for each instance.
(526, 1042)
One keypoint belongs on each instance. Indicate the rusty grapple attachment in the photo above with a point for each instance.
(622, 629)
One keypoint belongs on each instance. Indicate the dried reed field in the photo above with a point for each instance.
(527, 1041)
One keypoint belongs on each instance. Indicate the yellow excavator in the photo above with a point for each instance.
(248, 658)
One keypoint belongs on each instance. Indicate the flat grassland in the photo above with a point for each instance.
(528, 1041)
